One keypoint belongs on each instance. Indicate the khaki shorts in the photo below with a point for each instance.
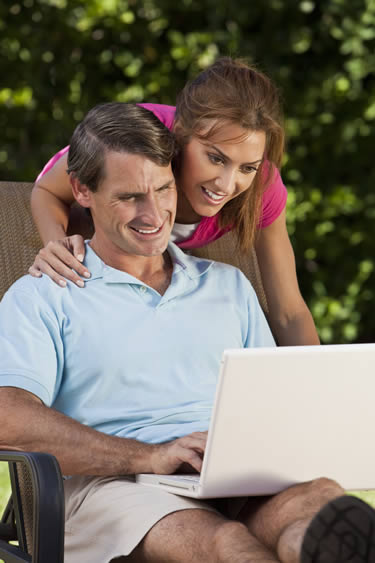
(107, 517)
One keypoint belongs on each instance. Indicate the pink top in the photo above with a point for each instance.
(208, 230)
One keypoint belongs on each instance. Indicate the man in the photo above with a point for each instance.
(119, 379)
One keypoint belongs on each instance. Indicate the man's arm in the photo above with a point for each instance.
(28, 425)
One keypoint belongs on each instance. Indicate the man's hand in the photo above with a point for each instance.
(169, 457)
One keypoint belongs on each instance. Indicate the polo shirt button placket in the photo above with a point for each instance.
(143, 289)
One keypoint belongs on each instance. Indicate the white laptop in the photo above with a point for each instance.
(283, 416)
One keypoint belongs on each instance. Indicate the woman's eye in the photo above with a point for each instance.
(249, 169)
(216, 159)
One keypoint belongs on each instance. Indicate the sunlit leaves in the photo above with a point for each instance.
(20, 97)
(61, 57)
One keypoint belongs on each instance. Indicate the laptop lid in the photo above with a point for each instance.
(291, 414)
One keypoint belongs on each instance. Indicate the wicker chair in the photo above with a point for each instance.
(35, 513)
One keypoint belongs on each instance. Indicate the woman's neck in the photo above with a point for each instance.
(185, 213)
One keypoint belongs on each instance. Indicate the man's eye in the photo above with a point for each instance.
(127, 198)
(216, 159)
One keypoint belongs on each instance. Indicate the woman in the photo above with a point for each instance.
(228, 125)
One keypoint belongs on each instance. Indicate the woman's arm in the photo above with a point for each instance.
(51, 199)
(289, 318)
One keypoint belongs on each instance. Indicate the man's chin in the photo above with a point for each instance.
(153, 250)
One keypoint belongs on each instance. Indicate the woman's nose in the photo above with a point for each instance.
(226, 181)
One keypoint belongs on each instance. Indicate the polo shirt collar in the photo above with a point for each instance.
(93, 263)
(191, 266)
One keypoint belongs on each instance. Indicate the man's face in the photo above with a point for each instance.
(135, 205)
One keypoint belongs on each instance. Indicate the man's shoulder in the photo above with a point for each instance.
(43, 288)
(221, 273)
(211, 268)
(230, 272)
(229, 278)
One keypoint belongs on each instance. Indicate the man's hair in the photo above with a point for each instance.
(117, 127)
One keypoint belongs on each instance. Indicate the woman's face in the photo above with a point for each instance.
(214, 171)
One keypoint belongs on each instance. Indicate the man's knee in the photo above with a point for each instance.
(186, 535)
(303, 499)
(322, 487)
(225, 536)
(306, 498)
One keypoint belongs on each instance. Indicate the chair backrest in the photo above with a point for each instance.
(19, 239)
(20, 242)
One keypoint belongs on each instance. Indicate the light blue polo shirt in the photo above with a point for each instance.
(120, 357)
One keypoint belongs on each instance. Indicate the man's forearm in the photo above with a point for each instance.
(27, 425)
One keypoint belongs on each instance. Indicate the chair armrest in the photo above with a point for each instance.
(38, 503)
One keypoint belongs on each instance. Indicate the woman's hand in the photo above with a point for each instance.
(61, 261)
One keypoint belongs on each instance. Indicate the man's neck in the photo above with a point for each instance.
(154, 271)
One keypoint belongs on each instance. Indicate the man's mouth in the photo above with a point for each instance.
(213, 196)
(147, 231)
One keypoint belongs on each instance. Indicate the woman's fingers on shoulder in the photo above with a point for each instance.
(57, 255)
(56, 269)
(78, 246)
(40, 267)
(35, 272)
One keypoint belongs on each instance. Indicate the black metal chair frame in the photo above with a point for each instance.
(34, 515)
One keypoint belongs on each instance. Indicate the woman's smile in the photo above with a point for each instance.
(213, 197)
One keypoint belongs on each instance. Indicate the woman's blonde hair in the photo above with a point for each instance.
(232, 90)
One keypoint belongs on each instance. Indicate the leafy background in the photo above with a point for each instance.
(58, 58)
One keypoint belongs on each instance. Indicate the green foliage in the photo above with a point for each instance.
(61, 57)
(4, 486)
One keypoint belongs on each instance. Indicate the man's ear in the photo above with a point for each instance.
(80, 191)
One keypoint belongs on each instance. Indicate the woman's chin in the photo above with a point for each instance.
(196, 211)
(208, 210)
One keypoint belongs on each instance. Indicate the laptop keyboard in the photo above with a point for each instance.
(191, 478)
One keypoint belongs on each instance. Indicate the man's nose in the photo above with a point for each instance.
(151, 212)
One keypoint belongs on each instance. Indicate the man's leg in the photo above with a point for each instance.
(280, 522)
(108, 517)
(199, 535)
